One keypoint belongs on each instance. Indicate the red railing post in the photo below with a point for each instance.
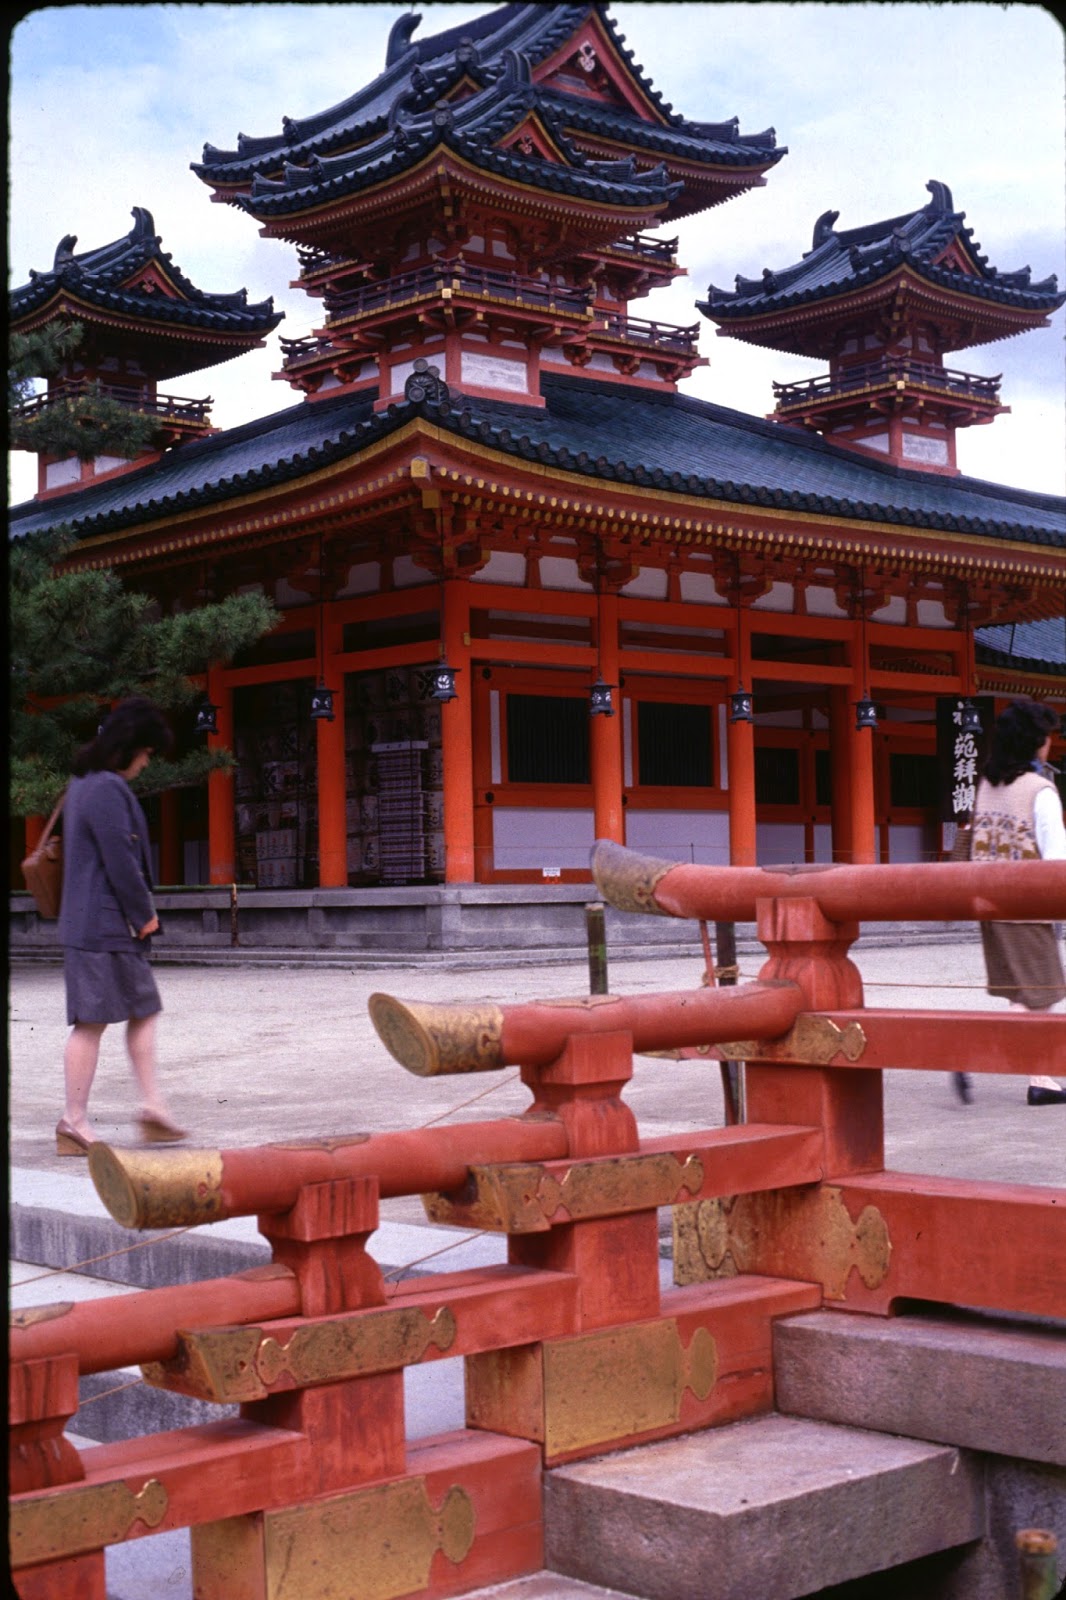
(809, 950)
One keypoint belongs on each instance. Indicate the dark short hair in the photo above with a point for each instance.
(134, 724)
(1019, 732)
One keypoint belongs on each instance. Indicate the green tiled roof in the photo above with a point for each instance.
(394, 121)
(839, 262)
(96, 277)
(606, 432)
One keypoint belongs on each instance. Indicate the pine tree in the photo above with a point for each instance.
(86, 424)
(81, 640)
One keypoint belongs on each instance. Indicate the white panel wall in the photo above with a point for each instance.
(778, 844)
(525, 839)
(699, 836)
(912, 842)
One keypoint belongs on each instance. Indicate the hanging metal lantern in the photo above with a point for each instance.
(970, 718)
(866, 714)
(601, 703)
(322, 704)
(442, 682)
(206, 718)
(740, 706)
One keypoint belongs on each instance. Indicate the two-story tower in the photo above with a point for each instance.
(885, 304)
(143, 323)
(482, 205)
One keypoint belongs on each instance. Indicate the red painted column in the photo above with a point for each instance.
(861, 762)
(457, 736)
(840, 772)
(740, 744)
(332, 827)
(221, 822)
(605, 733)
(170, 862)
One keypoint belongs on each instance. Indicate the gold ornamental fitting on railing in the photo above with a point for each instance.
(934, 891)
(430, 1040)
(158, 1188)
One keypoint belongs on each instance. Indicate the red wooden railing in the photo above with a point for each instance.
(571, 1349)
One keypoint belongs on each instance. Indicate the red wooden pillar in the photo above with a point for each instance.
(741, 748)
(840, 712)
(605, 733)
(861, 762)
(332, 787)
(457, 736)
(170, 860)
(221, 823)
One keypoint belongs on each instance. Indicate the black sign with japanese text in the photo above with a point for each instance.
(960, 754)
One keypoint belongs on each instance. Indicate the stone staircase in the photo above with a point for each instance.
(904, 1455)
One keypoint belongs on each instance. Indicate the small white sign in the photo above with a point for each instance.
(551, 872)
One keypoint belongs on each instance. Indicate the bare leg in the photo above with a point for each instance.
(79, 1069)
(140, 1043)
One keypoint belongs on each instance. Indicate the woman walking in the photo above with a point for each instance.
(107, 917)
(1018, 816)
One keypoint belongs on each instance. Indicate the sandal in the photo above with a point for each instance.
(69, 1142)
(156, 1129)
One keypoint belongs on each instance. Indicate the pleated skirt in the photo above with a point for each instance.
(109, 985)
(1024, 963)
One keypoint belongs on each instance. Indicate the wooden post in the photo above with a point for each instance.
(861, 762)
(457, 737)
(221, 822)
(597, 943)
(332, 828)
(741, 747)
(605, 732)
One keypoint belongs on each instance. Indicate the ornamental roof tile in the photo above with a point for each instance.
(103, 278)
(839, 262)
(393, 121)
(601, 431)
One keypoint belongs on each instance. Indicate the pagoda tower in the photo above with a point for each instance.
(885, 304)
(481, 208)
(143, 322)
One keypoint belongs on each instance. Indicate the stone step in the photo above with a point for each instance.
(976, 1381)
(776, 1507)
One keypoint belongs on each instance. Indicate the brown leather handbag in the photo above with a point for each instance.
(43, 868)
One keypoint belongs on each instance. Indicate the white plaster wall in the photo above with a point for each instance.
(823, 843)
(699, 836)
(912, 842)
(778, 844)
(503, 566)
(526, 838)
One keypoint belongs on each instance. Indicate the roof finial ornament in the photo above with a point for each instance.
(400, 36)
(823, 228)
(941, 194)
(64, 256)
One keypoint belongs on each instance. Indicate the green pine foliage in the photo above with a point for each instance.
(85, 425)
(79, 641)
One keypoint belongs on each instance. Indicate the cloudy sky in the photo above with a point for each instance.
(110, 103)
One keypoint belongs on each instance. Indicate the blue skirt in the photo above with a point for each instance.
(109, 985)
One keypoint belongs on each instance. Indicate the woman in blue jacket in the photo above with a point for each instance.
(107, 917)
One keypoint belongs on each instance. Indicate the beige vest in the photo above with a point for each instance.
(1003, 819)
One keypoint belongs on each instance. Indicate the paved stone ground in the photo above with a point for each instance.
(252, 1055)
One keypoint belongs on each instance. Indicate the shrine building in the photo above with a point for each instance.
(533, 594)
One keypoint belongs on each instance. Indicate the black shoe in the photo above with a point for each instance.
(963, 1089)
(1045, 1097)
